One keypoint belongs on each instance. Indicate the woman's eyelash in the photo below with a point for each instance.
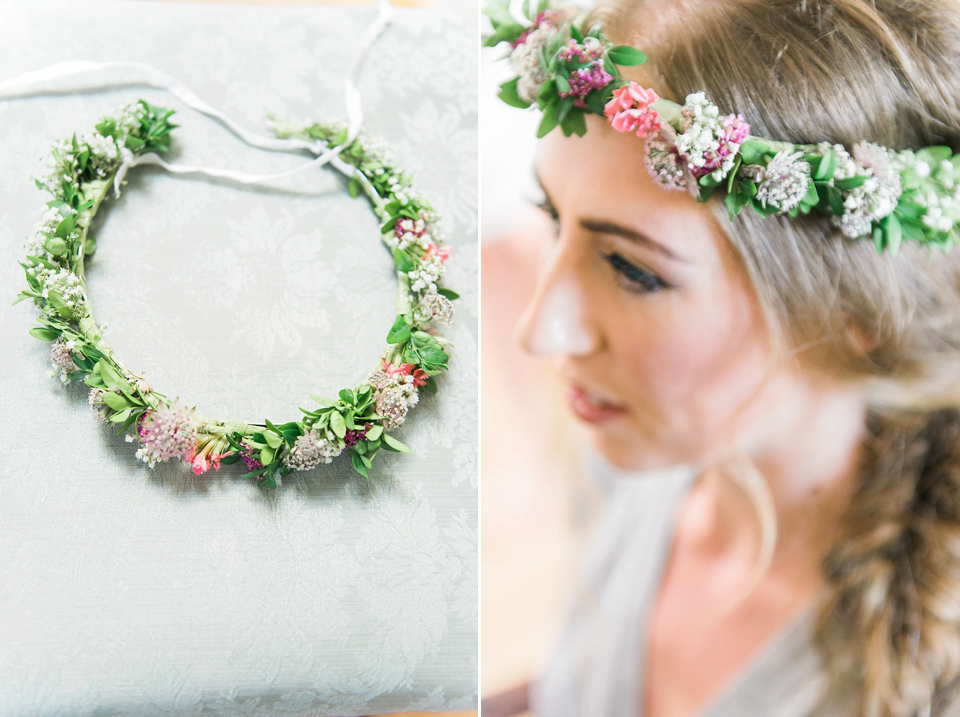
(547, 208)
(633, 277)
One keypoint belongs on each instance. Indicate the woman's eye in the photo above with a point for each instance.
(547, 208)
(632, 277)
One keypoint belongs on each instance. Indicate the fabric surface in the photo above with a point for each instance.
(137, 592)
(598, 663)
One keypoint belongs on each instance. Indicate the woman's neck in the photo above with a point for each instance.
(809, 465)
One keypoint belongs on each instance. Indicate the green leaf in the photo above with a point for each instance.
(403, 261)
(266, 455)
(346, 395)
(626, 56)
(107, 127)
(113, 380)
(935, 154)
(574, 123)
(735, 202)
(504, 33)
(358, 465)
(116, 401)
(56, 246)
(337, 424)
(399, 332)
(549, 120)
(845, 185)
(732, 176)
(374, 432)
(563, 85)
(510, 95)
(878, 237)
(322, 400)
(65, 226)
(835, 200)
(273, 440)
(708, 180)
(449, 293)
(392, 444)
(44, 334)
(752, 151)
(827, 166)
(120, 416)
(269, 482)
(89, 246)
(894, 233)
(354, 187)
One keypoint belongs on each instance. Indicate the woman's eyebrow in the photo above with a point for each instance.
(599, 226)
(546, 195)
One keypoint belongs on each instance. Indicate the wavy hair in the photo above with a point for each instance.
(846, 71)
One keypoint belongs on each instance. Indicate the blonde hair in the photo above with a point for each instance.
(846, 71)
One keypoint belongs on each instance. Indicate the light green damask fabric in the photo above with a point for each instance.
(126, 591)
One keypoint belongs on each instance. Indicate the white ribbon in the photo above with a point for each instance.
(33, 83)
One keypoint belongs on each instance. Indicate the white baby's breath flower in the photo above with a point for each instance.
(784, 181)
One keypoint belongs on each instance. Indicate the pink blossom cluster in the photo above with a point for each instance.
(590, 51)
(630, 110)
(168, 432)
(735, 131)
(584, 81)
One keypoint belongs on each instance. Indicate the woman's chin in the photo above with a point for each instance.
(631, 455)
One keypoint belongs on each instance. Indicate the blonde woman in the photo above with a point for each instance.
(782, 391)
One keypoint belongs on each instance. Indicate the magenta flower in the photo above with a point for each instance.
(352, 437)
(251, 462)
(586, 80)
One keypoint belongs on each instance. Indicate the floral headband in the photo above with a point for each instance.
(869, 191)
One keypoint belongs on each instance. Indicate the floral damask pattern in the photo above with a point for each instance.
(126, 591)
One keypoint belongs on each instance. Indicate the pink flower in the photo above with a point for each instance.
(737, 129)
(200, 464)
(419, 375)
(630, 110)
(442, 253)
(401, 368)
(628, 97)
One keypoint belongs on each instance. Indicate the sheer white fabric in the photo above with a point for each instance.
(126, 591)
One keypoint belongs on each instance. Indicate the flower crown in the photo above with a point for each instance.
(870, 191)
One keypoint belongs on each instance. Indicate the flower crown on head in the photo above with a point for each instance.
(869, 191)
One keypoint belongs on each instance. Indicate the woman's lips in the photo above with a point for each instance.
(592, 408)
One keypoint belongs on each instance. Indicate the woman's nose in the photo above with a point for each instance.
(556, 322)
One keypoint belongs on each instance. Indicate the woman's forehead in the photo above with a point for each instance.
(603, 176)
